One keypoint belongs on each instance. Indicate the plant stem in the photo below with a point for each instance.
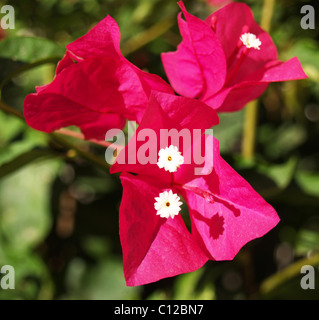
(251, 110)
(25, 68)
(57, 136)
(250, 128)
(145, 37)
(7, 109)
(267, 14)
(270, 285)
(78, 135)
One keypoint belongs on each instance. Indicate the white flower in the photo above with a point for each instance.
(250, 41)
(167, 204)
(170, 158)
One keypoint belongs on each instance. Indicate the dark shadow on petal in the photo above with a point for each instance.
(215, 223)
(216, 227)
(228, 205)
(213, 184)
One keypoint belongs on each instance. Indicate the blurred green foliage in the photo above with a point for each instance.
(59, 209)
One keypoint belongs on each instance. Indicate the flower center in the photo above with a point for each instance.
(170, 159)
(235, 61)
(167, 204)
(250, 41)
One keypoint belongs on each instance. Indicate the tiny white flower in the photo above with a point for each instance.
(170, 158)
(167, 204)
(250, 41)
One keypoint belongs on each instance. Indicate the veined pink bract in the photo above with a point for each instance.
(95, 87)
(215, 64)
(225, 211)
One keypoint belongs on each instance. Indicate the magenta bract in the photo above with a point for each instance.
(95, 87)
(213, 65)
(225, 212)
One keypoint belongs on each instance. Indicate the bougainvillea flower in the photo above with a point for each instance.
(217, 63)
(95, 87)
(224, 211)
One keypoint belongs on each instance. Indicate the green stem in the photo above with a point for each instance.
(251, 110)
(58, 137)
(267, 14)
(25, 68)
(80, 136)
(7, 109)
(250, 128)
(147, 36)
(273, 282)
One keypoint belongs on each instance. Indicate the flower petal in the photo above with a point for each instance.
(236, 97)
(230, 21)
(237, 214)
(198, 67)
(103, 40)
(49, 112)
(176, 116)
(84, 91)
(153, 248)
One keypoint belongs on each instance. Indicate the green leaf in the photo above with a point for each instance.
(29, 49)
(104, 281)
(229, 130)
(22, 160)
(307, 241)
(9, 128)
(280, 142)
(31, 277)
(281, 174)
(185, 287)
(24, 204)
(16, 154)
(308, 182)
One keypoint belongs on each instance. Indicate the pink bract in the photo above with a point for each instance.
(212, 64)
(225, 211)
(95, 87)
